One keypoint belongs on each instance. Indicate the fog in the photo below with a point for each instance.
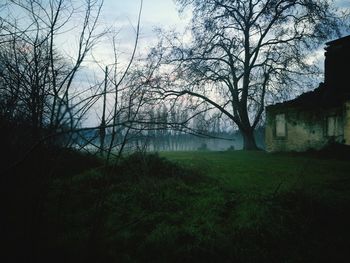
(171, 141)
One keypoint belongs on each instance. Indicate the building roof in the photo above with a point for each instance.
(329, 94)
(320, 98)
(338, 41)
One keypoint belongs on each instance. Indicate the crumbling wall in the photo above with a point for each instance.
(347, 123)
(305, 128)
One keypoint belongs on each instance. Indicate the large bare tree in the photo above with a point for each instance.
(241, 51)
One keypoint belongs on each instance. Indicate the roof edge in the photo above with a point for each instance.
(338, 40)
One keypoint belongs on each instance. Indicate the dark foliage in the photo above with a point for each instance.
(140, 165)
(27, 171)
(331, 151)
(335, 150)
(48, 198)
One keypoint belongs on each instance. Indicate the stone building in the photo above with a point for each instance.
(317, 118)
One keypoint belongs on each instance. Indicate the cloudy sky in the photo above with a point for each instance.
(122, 14)
(154, 13)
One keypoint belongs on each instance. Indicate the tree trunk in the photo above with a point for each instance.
(249, 142)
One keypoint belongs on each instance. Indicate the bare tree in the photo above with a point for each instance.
(38, 76)
(244, 50)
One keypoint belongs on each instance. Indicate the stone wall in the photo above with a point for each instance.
(347, 123)
(305, 128)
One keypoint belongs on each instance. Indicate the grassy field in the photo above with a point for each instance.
(265, 173)
(194, 207)
(285, 207)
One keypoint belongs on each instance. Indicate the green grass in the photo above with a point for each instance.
(265, 173)
(202, 207)
(290, 207)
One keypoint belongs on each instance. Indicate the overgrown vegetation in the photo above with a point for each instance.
(178, 207)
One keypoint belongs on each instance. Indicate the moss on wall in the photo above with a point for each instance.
(306, 128)
(347, 123)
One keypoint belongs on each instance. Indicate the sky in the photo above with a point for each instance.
(343, 3)
(154, 12)
(123, 15)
